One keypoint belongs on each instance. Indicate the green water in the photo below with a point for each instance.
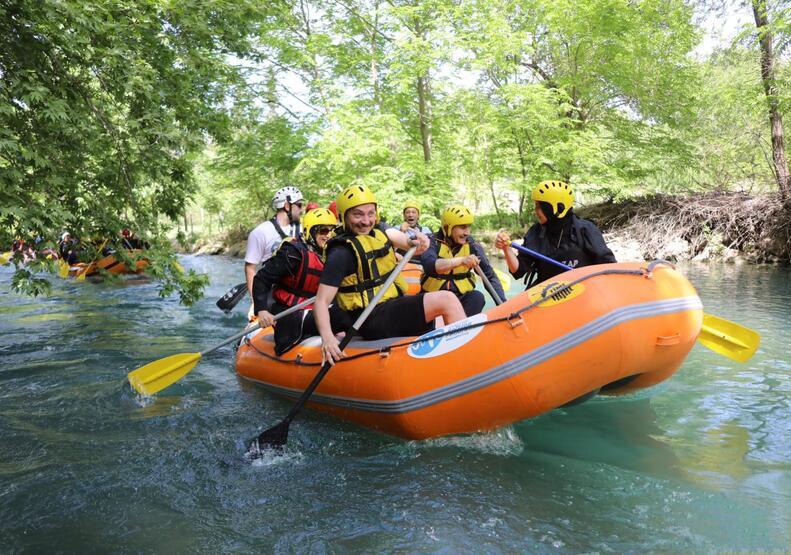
(701, 463)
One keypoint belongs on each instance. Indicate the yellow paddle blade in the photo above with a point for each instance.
(63, 269)
(505, 280)
(156, 376)
(5, 257)
(728, 338)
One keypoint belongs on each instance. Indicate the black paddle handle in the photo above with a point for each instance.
(227, 302)
(277, 435)
(488, 286)
(317, 379)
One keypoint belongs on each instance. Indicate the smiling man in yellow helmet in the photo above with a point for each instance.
(559, 235)
(359, 259)
(449, 262)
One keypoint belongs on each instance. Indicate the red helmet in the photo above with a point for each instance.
(333, 207)
(311, 206)
(125, 232)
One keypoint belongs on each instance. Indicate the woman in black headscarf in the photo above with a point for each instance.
(559, 235)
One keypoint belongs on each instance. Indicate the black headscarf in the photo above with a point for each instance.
(555, 227)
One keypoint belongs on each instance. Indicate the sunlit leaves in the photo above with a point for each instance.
(103, 104)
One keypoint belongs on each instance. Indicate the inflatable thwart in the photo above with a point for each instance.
(608, 329)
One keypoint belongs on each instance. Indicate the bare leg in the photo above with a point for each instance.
(445, 304)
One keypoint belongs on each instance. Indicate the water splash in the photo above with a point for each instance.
(503, 442)
(257, 457)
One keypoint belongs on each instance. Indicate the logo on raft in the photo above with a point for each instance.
(429, 345)
(556, 291)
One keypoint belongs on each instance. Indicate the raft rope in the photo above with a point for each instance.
(549, 292)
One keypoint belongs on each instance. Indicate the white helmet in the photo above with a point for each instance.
(284, 195)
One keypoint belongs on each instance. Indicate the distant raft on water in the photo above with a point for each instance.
(109, 264)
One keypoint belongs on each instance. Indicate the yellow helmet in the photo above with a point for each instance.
(411, 203)
(317, 216)
(455, 215)
(555, 193)
(355, 195)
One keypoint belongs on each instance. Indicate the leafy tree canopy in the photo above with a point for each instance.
(103, 107)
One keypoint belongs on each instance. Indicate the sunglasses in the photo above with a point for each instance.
(323, 229)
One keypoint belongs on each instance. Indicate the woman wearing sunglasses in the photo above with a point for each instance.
(292, 275)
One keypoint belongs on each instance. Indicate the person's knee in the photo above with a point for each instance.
(441, 303)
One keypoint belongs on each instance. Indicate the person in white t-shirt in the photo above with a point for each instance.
(265, 239)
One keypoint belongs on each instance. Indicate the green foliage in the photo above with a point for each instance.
(172, 277)
(103, 106)
(733, 149)
(602, 93)
(240, 178)
(25, 282)
(126, 115)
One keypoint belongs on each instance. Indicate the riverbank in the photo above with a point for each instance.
(712, 226)
(733, 227)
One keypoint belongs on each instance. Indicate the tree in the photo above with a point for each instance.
(621, 73)
(103, 107)
(769, 79)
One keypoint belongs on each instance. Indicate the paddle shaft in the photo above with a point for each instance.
(350, 333)
(540, 256)
(489, 287)
(257, 325)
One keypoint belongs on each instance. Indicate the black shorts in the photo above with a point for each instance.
(299, 325)
(399, 317)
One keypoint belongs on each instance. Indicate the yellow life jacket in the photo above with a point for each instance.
(461, 276)
(375, 261)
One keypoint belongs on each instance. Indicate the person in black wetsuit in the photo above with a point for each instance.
(559, 235)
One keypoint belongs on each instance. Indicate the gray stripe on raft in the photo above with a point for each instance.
(507, 370)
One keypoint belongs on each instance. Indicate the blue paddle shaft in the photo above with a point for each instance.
(538, 255)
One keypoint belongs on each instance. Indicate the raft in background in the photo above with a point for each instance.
(111, 265)
(612, 328)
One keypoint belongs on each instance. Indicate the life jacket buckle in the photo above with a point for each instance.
(384, 352)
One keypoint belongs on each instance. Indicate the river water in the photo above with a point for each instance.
(702, 463)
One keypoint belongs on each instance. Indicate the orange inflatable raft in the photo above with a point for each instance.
(609, 329)
(109, 264)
